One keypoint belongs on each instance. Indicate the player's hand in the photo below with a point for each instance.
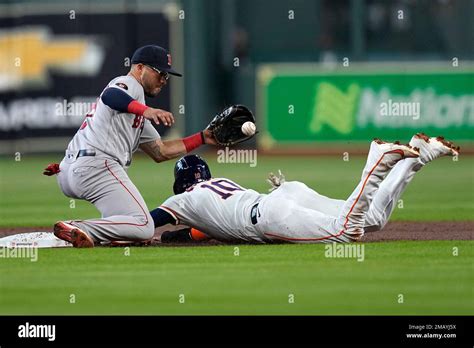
(158, 115)
(209, 137)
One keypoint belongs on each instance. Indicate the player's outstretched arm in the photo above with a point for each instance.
(161, 217)
(161, 151)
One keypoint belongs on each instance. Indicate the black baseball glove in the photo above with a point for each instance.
(227, 125)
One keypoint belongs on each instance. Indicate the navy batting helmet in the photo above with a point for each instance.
(188, 171)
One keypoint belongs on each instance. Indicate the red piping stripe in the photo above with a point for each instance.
(347, 216)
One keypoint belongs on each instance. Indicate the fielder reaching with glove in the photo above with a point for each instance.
(219, 208)
(97, 158)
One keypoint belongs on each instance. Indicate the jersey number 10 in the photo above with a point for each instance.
(222, 187)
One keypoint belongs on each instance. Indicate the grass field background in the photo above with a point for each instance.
(258, 281)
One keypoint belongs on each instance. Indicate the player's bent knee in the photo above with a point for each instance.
(374, 227)
(148, 230)
(146, 227)
(374, 222)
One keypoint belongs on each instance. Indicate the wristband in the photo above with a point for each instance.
(193, 141)
(136, 108)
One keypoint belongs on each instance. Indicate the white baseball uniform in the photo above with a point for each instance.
(95, 165)
(226, 211)
(383, 203)
(218, 207)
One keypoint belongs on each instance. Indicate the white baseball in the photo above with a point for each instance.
(249, 128)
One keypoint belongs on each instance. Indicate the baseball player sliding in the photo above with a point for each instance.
(96, 161)
(221, 209)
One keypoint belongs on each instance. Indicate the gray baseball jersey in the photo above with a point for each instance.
(112, 132)
(101, 178)
(218, 207)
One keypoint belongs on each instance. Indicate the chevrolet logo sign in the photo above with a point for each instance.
(26, 56)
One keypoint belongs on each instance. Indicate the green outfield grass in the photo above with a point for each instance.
(442, 191)
(258, 281)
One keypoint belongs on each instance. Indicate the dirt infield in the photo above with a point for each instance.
(460, 230)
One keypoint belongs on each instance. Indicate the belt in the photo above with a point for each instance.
(253, 214)
(82, 153)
